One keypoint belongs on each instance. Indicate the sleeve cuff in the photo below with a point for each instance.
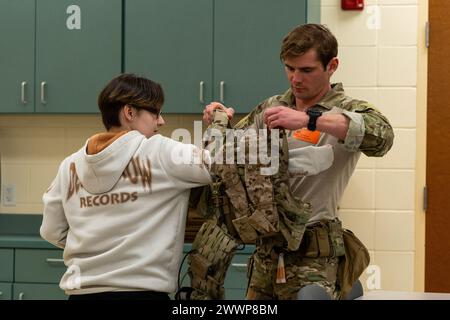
(355, 133)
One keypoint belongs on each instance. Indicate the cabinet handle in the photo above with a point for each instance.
(202, 85)
(51, 260)
(43, 85)
(239, 265)
(23, 92)
(222, 91)
(21, 295)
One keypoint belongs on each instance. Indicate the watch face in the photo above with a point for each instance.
(314, 112)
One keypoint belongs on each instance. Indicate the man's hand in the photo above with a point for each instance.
(284, 117)
(209, 111)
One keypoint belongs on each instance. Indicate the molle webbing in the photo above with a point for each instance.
(213, 251)
(257, 205)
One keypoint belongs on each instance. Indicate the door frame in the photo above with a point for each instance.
(421, 147)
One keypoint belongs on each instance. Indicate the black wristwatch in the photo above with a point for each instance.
(313, 115)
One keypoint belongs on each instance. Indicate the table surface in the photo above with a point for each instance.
(403, 295)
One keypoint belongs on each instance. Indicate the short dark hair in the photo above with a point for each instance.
(132, 90)
(310, 36)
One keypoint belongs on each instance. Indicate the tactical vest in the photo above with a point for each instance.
(242, 206)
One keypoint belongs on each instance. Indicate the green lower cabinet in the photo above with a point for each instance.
(184, 277)
(5, 291)
(37, 273)
(236, 279)
(38, 266)
(38, 291)
(235, 294)
(237, 272)
(6, 265)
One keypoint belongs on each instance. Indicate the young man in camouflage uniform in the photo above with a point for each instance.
(314, 112)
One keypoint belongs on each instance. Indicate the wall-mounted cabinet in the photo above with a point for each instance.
(56, 55)
(210, 50)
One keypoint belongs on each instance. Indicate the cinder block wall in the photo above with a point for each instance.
(378, 63)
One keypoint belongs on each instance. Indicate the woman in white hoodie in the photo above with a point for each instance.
(118, 205)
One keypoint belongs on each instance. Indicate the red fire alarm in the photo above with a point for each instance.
(352, 4)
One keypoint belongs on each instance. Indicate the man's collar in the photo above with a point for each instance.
(288, 98)
(328, 101)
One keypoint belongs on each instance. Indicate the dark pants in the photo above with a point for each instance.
(122, 295)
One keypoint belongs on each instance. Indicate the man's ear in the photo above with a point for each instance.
(332, 66)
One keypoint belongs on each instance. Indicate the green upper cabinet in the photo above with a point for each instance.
(170, 41)
(56, 55)
(210, 50)
(17, 55)
(78, 50)
(247, 41)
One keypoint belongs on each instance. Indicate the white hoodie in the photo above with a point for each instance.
(120, 214)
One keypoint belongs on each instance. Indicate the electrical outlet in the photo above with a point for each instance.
(9, 195)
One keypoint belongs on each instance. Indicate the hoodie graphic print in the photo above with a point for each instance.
(136, 172)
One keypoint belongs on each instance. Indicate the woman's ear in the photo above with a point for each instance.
(128, 113)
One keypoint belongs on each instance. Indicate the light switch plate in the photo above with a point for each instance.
(9, 195)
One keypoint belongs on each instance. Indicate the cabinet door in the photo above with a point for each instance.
(247, 41)
(236, 280)
(17, 55)
(37, 265)
(170, 42)
(5, 291)
(237, 272)
(235, 294)
(6, 265)
(78, 50)
(38, 291)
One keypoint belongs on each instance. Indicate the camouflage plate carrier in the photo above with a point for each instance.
(242, 206)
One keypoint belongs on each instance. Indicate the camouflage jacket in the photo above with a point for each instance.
(369, 132)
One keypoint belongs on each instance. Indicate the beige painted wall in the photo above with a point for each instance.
(381, 60)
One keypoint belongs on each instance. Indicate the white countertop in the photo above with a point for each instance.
(403, 295)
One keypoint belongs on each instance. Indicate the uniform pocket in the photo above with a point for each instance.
(311, 244)
(337, 239)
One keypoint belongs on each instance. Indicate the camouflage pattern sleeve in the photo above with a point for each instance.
(377, 137)
(220, 124)
(254, 119)
(355, 132)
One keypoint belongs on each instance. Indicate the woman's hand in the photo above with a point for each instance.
(208, 112)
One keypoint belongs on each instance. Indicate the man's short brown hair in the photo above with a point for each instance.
(310, 36)
(132, 90)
